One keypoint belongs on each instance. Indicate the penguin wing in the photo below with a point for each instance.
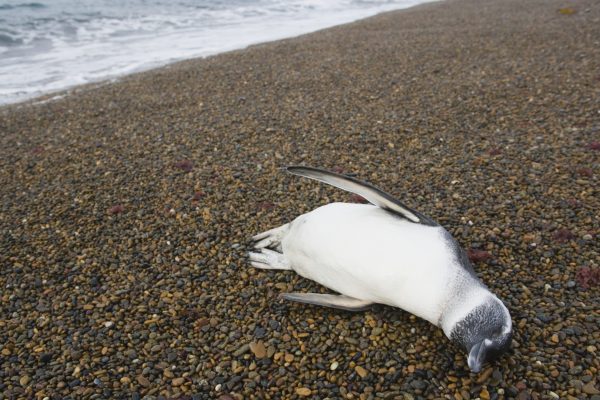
(329, 300)
(374, 195)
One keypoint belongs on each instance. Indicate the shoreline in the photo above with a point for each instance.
(49, 96)
(126, 211)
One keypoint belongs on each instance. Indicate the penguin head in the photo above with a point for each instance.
(485, 333)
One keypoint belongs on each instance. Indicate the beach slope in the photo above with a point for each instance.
(126, 209)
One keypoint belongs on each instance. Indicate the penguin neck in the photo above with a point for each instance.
(458, 307)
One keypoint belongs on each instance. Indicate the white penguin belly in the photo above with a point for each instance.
(365, 252)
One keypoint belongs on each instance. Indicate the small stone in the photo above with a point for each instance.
(554, 338)
(576, 370)
(483, 377)
(419, 384)
(259, 332)
(177, 381)
(376, 331)
(523, 395)
(334, 365)
(240, 351)
(289, 357)
(171, 356)
(303, 391)
(142, 380)
(484, 394)
(589, 388)
(576, 384)
(24, 380)
(125, 380)
(258, 348)
(496, 377)
(109, 324)
(45, 358)
(6, 352)
(361, 371)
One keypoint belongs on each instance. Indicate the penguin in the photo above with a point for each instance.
(387, 253)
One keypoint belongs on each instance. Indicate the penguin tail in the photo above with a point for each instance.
(271, 238)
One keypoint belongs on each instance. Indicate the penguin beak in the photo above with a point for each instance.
(476, 356)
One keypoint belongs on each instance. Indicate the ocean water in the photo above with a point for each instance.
(51, 45)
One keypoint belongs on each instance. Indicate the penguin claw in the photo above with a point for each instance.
(268, 259)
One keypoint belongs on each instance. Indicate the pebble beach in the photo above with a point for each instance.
(127, 207)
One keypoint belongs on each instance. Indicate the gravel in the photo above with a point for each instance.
(127, 207)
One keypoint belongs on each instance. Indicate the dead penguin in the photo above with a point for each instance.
(387, 253)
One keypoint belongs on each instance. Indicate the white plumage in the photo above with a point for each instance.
(367, 253)
(386, 253)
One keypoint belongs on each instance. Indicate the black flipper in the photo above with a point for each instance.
(329, 300)
(374, 195)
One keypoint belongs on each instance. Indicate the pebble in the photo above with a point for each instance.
(361, 371)
(484, 394)
(258, 348)
(589, 388)
(303, 392)
(177, 381)
(127, 208)
(142, 380)
(484, 376)
(241, 350)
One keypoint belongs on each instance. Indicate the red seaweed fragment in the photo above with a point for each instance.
(37, 150)
(563, 235)
(197, 196)
(265, 206)
(357, 198)
(594, 145)
(185, 165)
(588, 277)
(587, 172)
(476, 255)
(116, 209)
(495, 151)
(573, 202)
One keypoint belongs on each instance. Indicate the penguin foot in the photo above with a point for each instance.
(271, 238)
(268, 259)
(339, 301)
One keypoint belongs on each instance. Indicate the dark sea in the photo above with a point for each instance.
(52, 45)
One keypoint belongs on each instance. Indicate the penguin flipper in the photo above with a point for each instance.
(374, 195)
(329, 300)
